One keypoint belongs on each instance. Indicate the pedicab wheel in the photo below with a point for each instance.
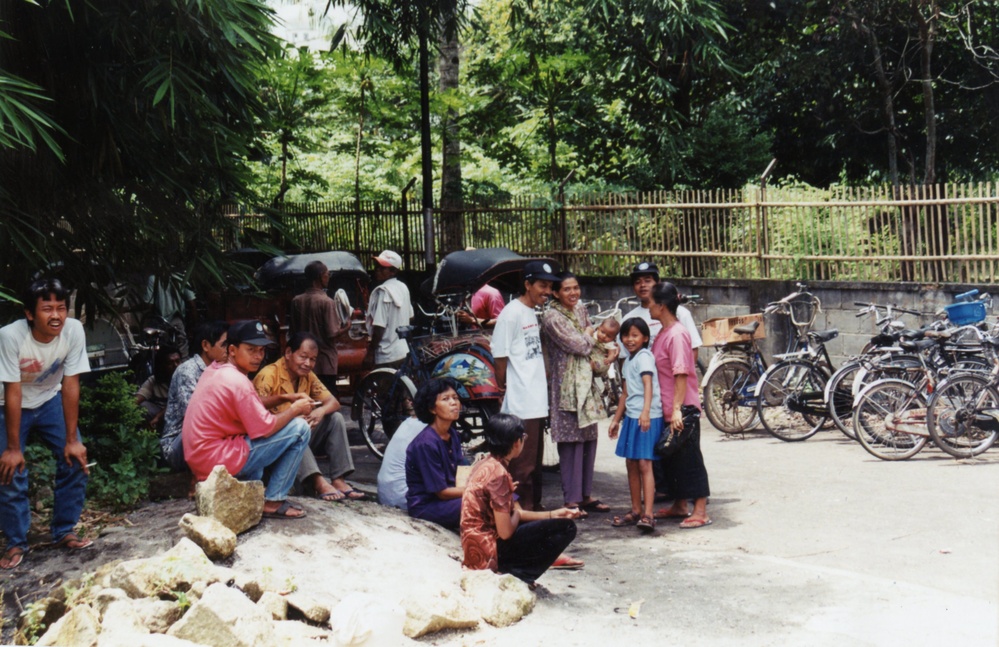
(963, 416)
(889, 420)
(384, 403)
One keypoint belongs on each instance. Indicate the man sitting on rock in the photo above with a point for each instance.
(293, 375)
(227, 424)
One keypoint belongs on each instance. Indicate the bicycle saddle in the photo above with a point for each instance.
(746, 329)
(824, 335)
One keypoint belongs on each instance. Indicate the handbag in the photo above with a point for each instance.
(670, 442)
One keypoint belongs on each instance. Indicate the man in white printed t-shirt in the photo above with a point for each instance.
(520, 370)
(41, 359)
(389, 308)
(643, 278)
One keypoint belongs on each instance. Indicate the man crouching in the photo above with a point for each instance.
(227, 424)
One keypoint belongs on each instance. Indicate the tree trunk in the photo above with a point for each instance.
(452, 220)
(927, 38)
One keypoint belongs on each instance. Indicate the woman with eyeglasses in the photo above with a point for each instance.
(496, 533)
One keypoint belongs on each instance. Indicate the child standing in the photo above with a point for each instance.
(643, 423)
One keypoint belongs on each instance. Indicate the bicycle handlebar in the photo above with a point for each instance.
(966, 296)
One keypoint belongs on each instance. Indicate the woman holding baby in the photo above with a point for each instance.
(574, 351)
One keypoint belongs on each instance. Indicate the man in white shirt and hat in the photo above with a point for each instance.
(389, 307)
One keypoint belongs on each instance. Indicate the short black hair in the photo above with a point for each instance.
(666, 294)
(41, 290)
(426, 397)
(209, 331)
(295, 341)
(160, 365)
(502, 431)
(315, 270)
(557, 285)
(636, 322)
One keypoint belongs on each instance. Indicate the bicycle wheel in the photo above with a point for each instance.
(839, 398)
(962, 416)
(885, 410)
(729, 403)
(789, 400)
(384, 404)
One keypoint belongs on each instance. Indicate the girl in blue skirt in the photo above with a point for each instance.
(643, 423)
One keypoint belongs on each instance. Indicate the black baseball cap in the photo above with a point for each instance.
(643, 269)
(543, 270)
(250, 332)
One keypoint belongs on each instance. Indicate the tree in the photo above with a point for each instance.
(157, 121)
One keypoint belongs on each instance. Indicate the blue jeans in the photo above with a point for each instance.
(280, 453)
(70, 481)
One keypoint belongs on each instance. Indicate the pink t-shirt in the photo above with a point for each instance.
(224, 410)
(487, 302)
(675, 356)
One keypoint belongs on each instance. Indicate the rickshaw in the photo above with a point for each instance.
(446, 348)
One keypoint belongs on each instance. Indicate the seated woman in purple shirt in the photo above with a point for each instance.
(432, 459)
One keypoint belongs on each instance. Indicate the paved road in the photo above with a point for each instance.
(813, 543)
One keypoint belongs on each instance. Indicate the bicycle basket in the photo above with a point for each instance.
(962, 314)
(803, 309)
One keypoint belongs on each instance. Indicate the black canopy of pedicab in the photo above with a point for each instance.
(467, 271)
(288, 272)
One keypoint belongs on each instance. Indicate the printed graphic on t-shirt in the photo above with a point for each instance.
(533, 343)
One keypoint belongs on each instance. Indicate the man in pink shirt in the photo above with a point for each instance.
(226, 424)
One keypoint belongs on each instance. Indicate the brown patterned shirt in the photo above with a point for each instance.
(490, 488)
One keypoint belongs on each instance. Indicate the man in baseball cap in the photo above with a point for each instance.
(389, 308)
(227, 424)
(520, 372)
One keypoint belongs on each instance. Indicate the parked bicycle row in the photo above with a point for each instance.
(908, 385)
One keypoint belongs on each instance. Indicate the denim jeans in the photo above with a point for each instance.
(70, 481)
(280, 454)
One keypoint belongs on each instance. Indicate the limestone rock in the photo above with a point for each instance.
(157, 615)
(364, 619)
(238, 505)
(143, 640)
(175, 570)
(43, 613)
(274, 604)
(291, 633)
(426, 615)
(122, 617)
(309, 607)
(106, 597)
(501, 600)
(78, 628)
(215, 539)
(224, 617)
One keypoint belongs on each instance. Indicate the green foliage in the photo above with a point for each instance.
(125, 449)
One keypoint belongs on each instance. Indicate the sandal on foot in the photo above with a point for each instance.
(72, 541)
(664, 513)
(566, 563)
(595, 505)
(689, 524)
(629, 519)
(646, 523)
(283, 511)
(335, 495)
(353, 495)
(13, 557)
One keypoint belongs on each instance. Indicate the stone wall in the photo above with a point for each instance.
(722, 298)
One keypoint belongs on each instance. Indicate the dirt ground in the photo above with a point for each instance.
(813, 543)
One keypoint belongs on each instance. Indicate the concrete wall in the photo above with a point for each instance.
(722, 298)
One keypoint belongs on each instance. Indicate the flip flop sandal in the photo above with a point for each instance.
(72, 541)
(567, 563)
(14, 555)
(595, 505)
(629, 519)
(335, 495)
(690, 524)
(646, 524)
(353, 495)
(282, 512)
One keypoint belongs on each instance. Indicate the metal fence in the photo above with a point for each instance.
(929, 234)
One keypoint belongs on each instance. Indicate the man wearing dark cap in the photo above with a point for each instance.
(226, 424)
(520, 371)
(644, 277)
